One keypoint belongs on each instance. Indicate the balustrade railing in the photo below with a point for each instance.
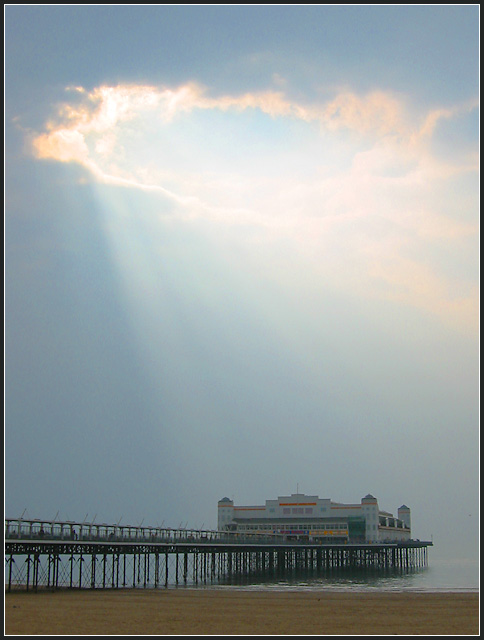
(20, 529)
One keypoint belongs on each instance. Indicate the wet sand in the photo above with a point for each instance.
(234, 612)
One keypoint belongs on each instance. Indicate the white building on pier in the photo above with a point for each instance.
(319, 519)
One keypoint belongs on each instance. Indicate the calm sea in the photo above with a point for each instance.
(442, 574)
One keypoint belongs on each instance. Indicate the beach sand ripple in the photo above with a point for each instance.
(234, 612)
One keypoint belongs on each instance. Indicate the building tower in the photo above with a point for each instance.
(225, 512)
(404, 515)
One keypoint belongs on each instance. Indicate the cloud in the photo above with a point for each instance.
(378, 113)
(64, 145)
(353, 177)
(434, 116)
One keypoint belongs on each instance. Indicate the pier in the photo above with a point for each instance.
(54, 555)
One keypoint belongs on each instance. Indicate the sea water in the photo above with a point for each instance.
(442, 574)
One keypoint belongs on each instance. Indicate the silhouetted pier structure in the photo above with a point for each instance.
(52, 555)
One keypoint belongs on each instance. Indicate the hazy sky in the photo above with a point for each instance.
(242, 257)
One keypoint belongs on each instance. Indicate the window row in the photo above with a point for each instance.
(319, 526)
(297, 510)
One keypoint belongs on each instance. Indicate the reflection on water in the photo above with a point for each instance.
(335, 580)
(147, 571)
(438, 576)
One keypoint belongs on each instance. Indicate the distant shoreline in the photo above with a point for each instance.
(199, 611)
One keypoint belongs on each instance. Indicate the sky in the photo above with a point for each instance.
(241, 259)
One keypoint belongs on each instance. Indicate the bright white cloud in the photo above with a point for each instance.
(353, 178)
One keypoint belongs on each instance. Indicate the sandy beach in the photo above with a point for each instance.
(234, 612)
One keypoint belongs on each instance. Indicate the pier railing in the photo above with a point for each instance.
(43, 530)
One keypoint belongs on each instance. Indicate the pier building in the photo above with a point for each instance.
(308, 517)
